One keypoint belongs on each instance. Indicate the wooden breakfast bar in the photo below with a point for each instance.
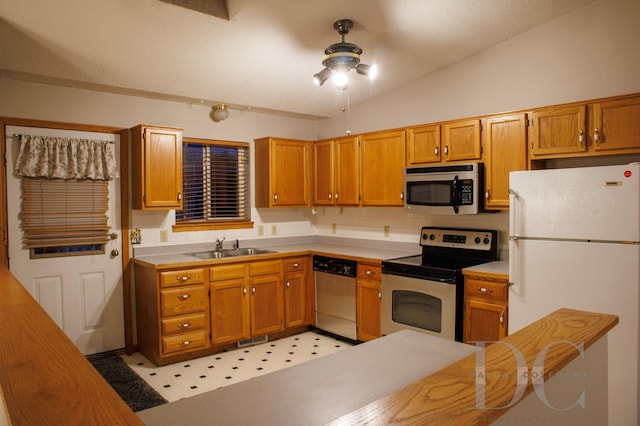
(44, 379)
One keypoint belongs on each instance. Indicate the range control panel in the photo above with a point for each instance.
(474, 239)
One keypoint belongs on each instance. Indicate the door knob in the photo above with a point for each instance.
(114, 253)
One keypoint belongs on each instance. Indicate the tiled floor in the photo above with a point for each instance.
(189, 378)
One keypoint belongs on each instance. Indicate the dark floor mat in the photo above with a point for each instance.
(137, 393)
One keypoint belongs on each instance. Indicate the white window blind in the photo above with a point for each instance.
(215, 182)
(64, 217)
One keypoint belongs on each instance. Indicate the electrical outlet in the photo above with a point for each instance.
(164, 236)
(274, 229)
(334, 228)
(386, 230)
(260, 230)
(504, 238)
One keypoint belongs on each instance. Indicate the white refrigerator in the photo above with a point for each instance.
(574, 243)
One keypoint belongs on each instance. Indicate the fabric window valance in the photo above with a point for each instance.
(66, 158)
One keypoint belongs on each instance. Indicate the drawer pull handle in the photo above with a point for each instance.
(484, 290)
(295, 265)
(184, 278)
(185, 325)
(185, 343)
(184, 296)
(368, 272)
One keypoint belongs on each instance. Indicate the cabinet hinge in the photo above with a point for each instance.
(481, 149)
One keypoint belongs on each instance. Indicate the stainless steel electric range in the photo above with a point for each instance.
(425, 292)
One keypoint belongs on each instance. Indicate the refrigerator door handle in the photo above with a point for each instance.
(514, 214)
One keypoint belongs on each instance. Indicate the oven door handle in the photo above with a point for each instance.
(455, 198)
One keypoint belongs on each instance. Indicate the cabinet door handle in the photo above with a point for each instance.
(446, 150)
(184, 325)
(253, 290)
(179, 195)
(502, 319)
(484, 290)
(581, 138)
(436, 151)
(337, 196)
(487, 194)
(597, 137)
(288, 285)
(275, 197)
(330, 196)
(184, 296)
(379, 295)
(402, 195)
(244, 290)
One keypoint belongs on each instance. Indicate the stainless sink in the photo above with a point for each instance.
(250, 251)
(247, 252)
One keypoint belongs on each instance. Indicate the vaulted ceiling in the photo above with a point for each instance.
(258, 54)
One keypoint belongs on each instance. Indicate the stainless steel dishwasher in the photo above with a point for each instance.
(336, 295)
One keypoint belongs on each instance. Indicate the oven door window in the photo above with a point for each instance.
(430, 193)
(418, 310)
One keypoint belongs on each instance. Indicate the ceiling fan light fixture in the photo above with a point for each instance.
(340, 58)
(370, 71)
(322, 76)
(220, 112)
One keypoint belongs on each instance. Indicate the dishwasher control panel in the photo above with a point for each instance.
(332, 265)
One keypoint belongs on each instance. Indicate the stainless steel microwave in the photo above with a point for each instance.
(445, 189)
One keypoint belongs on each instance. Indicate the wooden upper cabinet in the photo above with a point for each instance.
(336, 172)
(615, 128)
(505, 142)
(423, 145)
(156, 158)
(323, 185)
(282, 172)
(382, 161)
(558, 131)
(461, 140)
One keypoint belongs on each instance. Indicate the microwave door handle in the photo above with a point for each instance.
(454, 195)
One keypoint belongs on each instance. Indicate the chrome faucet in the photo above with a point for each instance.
(219, 243)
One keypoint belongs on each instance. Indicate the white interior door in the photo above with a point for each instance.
(83, 294)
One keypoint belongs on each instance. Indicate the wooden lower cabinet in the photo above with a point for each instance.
(368, 305)
(486, 305)
(295, 291)
(229, 303)
(172, 312)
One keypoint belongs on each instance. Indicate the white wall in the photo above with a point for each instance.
(590, 53)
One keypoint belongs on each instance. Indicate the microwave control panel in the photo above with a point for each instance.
(466, 192)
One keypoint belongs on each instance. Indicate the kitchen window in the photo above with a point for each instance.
(216, 192)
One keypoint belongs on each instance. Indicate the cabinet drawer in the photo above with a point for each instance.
(183, 324)
(265, 268)
(369, 272)
(294, 264)
(227, 272)
(486, 289)
(184, 300)
(187, 276)
(183, 342)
